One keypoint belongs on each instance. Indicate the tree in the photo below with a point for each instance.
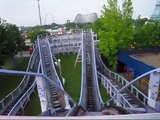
(97, 26)
(72, 25)
(115, 29)
(147, 35)
(10, 41)
(33, 34)
(51, 26)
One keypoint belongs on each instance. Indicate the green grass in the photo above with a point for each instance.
(103, 91)
(72, 85)
(16, 63)
(10, 82)
(33, 107)
(72, 75)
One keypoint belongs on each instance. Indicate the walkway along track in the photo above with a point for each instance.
(90, 99)
(55, 98)
(28, 81)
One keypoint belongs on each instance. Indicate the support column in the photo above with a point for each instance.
(118, 100)
(153, 89)
(110, 92)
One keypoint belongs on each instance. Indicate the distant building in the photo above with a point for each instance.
(28, 42)
(58, 31)
(25, 35)
(89, 18)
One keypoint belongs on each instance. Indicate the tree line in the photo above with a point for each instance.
(118, 31)
(146, 33)
(10, 41)
(37, 30)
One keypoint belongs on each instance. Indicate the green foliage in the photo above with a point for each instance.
(10, 82)
(10, 41)
(51, 26)
(98, 25)
(146, 34)
(138, 23)
(33, 107)
(33, 34)
(70, 25)
(73, 25)
(115, 29)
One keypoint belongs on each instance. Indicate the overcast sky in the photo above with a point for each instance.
(25, 12)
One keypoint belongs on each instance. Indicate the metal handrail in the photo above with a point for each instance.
(14, 72)
(115, 74)
(114, 88)
(24, 95)
(126, 101)
(133, 81)
(122, 78)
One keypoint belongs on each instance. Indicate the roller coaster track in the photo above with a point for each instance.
(90, 99)
(55, 98)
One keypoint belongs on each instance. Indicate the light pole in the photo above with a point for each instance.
(58, 64)
(39, 11)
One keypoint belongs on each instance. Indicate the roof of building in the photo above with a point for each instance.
(89, 18)
(152, 59)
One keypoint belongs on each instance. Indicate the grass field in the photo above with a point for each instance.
(10, 82)
(33, 108)
(72, 81)
(73, 77)
(103, 91)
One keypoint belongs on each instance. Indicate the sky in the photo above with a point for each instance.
(25, 12)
